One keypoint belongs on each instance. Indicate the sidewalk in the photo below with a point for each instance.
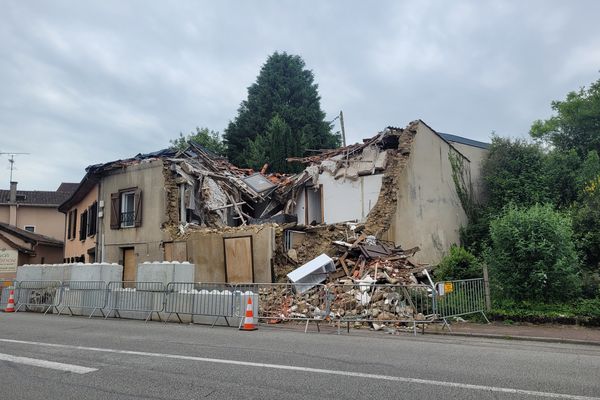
(523, 331)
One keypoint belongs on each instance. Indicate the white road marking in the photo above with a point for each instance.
(46, 364)
(458, 385)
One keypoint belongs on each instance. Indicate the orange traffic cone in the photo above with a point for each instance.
(249, 319)
(10, 307)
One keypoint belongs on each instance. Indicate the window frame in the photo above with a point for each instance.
(122, 204)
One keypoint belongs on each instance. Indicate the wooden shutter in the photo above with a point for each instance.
(74, 227)
(115, 211)
(138, 207)
(69, 222)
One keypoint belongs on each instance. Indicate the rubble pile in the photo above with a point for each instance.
(374, 282)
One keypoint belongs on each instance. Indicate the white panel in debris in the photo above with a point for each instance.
(313, 272)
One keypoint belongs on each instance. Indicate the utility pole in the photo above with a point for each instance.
(11, 161)
(343, 130)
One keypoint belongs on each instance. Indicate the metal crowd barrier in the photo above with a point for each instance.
(6, 285)
(81, 295)
(378, 303)
(280, 302)
(460, 297)
(44, 294)
(273, 303)
(206, 299)
(136, 297)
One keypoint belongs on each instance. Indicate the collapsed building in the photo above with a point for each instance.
(239, 225)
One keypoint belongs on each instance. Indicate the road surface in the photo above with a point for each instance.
(50, 357)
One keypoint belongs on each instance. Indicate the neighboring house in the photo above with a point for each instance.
(34, 210)
(81, 228)
(18, 247)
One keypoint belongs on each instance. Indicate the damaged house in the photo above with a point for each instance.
(400, 184)
(238, 225)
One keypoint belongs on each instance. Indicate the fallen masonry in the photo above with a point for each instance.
(374, 283)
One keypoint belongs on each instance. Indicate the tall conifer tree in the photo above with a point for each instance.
(286, 96)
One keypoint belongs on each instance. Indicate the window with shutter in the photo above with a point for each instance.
(126, 208)
(92, 217)
(69, 223)
(138, 208)
(74, 226)
(83, 225)
(115, 211)
(128, 200)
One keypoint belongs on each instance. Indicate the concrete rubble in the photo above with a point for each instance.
(374, 283)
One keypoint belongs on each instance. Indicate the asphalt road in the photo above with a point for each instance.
(50, 357)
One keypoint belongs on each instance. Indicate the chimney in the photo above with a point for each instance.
(13, 192)
(12, 218)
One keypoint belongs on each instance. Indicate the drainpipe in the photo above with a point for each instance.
(12, 220)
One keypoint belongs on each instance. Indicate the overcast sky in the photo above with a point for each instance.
(84, 82)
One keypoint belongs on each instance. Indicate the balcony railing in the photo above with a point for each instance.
(127, 219)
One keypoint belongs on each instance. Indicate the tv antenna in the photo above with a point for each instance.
(11, 161)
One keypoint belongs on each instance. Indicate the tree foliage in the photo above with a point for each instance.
(511, 174)
(283, 88)
(276, 145)
(576, 125)
(205, 137)
(586, 221)
(532, 255)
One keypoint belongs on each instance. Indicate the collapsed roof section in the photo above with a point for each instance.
(205, 190)
(215, 193)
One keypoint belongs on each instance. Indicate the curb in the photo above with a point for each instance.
(514, 337)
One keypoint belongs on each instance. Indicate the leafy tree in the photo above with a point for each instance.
(284, 87)
(458, 264)
(559, 173)
(204, 137)
(589, 170)
(532, 255)
(586, 221)
(513, 174)
(576, 124)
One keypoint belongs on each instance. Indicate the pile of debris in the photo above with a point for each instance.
(367, 280)
(376, 261)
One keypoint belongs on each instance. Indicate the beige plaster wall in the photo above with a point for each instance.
(5, 214)
(206, 251)
(428, 212)
(75, 247)
(47, 220)
(148, 238)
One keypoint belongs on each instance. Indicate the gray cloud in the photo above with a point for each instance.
(87, 82)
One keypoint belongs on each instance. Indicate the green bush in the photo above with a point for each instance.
(532, 255)
(458, 264)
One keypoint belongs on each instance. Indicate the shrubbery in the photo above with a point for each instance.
(458, 264)
(532, 255)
